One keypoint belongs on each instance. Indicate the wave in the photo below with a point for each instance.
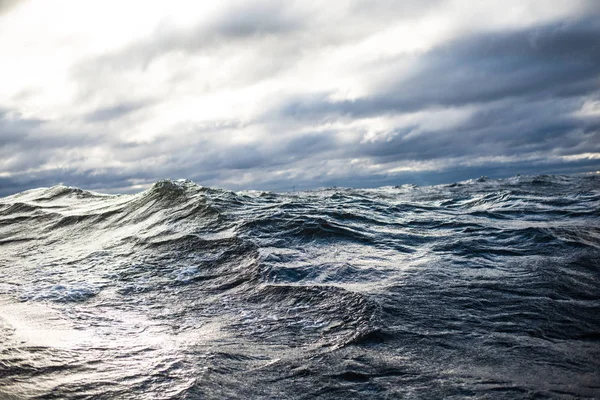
(184, 291)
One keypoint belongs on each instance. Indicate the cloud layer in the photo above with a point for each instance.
(112, 96)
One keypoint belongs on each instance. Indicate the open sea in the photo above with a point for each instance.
(478, 289)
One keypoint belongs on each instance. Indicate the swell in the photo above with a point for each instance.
(392, 292)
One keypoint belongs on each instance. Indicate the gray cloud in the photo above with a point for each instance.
(557, 60)
(519, 94)
(19, 134)
(526, 85)
(509, 128)
(14, 128)
(115, 111)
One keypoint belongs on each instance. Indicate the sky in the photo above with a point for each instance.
(112, 96)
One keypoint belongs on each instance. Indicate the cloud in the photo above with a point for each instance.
(556, 60)
(113, 112)
(271, 95)
(242, 23)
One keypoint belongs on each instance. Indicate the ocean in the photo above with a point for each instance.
(478, 289)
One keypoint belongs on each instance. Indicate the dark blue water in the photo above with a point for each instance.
(480, 289)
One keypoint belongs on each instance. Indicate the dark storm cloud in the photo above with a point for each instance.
(19, 134)
(556, 60)
(14, 128)
(526, 87)
(19, 147)
(27, 143)
(310, 144)
(233, 157)
(281, 152)
(509, 128)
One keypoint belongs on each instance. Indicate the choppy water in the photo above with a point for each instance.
(486, 288)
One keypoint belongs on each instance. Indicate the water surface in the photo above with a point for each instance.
(482, 289)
